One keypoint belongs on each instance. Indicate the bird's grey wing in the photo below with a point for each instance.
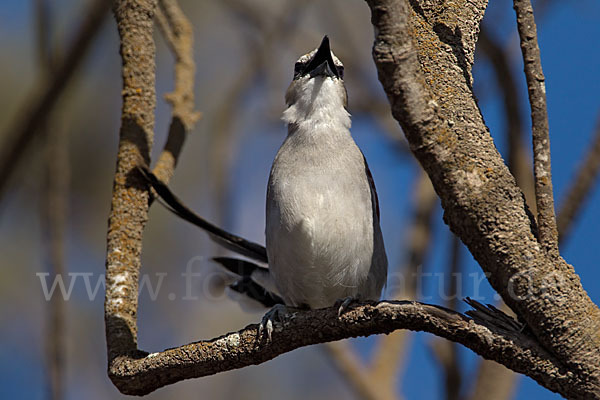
(228, 240)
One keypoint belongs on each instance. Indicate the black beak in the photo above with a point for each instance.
(322, 62)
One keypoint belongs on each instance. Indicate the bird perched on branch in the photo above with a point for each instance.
(323, 238)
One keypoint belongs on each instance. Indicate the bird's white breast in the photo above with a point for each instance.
(319, 220)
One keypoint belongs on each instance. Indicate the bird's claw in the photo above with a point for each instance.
(344, 303)
(274, 315)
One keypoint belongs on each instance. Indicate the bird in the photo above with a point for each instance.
(324, 243)
(323, 235)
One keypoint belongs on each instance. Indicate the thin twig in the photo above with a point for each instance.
(548, 233)
(581, 186)
(177, 31)
(26, 124)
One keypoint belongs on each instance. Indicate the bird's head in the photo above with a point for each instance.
(318, 81)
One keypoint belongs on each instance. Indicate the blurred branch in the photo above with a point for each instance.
(379, 110)
(221, 156)
(581, 186)
(445, 351)
(55, 205)
(53, 214)
(354, 372)
(367, 100)
(548, 234)
(390, 353)
(142, 373)
(177, 31)
(493, 382)
(27, 123)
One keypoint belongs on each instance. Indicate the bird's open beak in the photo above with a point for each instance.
(322, 62)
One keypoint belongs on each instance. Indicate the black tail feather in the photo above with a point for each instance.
(256, 292)
(224, 238)
(245, 284)
(238, 266)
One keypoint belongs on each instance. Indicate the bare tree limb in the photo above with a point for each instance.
(177, 30)
(546, 219)
(129, 207)
(417, 50)
(468, 174)
(25, 126)
(142, 373)
(581, 186)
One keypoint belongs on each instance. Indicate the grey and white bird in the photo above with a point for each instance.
(323, 235)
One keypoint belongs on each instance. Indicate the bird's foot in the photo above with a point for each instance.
(344, 304)
(274, 315)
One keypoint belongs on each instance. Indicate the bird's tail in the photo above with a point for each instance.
(228, 240)
(255, 281)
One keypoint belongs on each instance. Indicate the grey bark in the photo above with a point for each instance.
(424, 51)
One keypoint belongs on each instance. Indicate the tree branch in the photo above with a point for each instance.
(518, 158)
(482, 203)
(494, 381)
(548, 233)
(428, 84)
(129, 207)
(177, 31)
(143, 373)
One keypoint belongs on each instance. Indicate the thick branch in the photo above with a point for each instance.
(548, 233)
(147, 372)
(129, 207)
(423, 55)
